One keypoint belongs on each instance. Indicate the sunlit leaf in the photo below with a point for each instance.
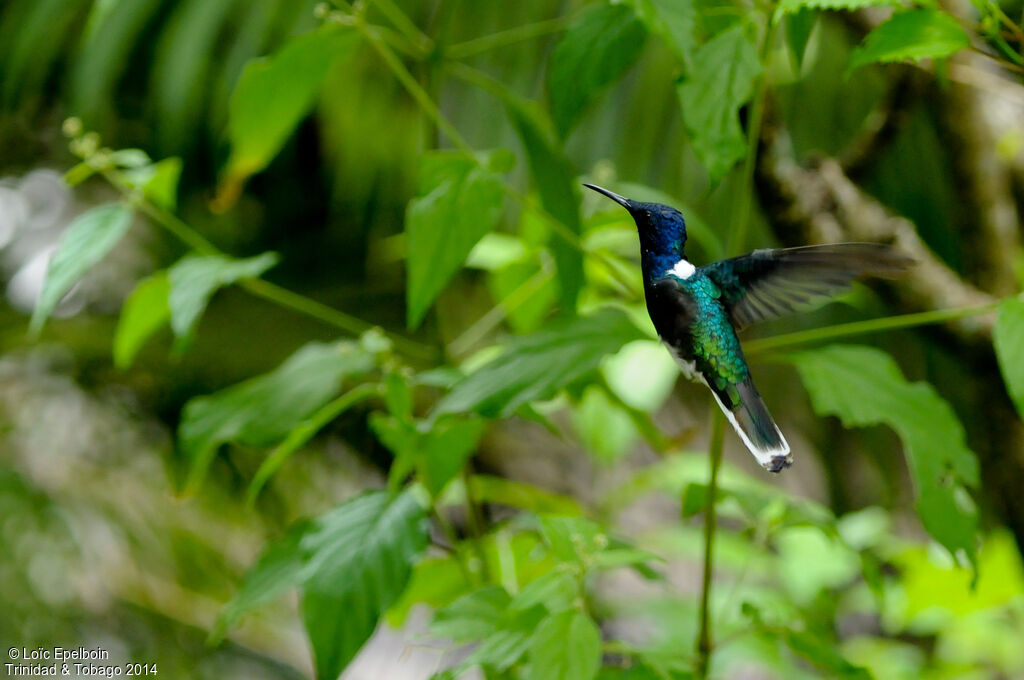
(912, 35)
(1009, 342)
(567, 645)
(605, 428)
(87, 240)
(262, 410)
(555, 182)
(274, 94)
(597, 49)
(195, 278)
(362, 555)
(720, 83)
(143, 314)
(864, 386)
(536, 366)
(459, 199)
(556, 591)
(796, 6)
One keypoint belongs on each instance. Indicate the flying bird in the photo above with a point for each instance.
(697, 311)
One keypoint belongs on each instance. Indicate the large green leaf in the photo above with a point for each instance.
(459, 199)
(195, 278)
(566, 645)
(262, 410)
(555, 181)
(1009, 342)
(675, 21)
(536, 366)
(85, 243)
(721, 81)
(274, 94)
(597, 49)
(915, 34)
(361, 559)
(143, 314)
(864, 386)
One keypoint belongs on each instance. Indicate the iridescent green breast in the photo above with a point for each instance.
(714, 344)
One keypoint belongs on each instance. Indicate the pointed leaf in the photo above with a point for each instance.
(864, 386)
(597, 49)
(722, 80)
(1009, 342)
(195, 278)
(263, 410)
(143, 314)
(912, 35)
(87, 240)
(536, 366)
(274, 94)
(459, 200)
(554, 179)
(362, 555)
(567, 645)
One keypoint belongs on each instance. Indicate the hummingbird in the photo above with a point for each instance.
(697, 311)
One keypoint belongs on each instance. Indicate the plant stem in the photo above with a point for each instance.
(486, 43)
(704, 644)
(860, 327)
(404, 24)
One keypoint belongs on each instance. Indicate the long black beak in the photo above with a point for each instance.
(621, 200)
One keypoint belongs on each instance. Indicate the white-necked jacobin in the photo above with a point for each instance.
(698, 310)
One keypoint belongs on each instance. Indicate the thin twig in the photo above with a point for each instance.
(512, 36)
(704, 643)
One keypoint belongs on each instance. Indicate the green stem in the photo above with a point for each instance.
(404, 24)
(704, 644)
(512, 36)
(860, 327)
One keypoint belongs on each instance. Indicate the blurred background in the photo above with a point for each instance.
(99, 547)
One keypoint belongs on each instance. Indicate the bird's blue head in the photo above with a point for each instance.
(662, 232)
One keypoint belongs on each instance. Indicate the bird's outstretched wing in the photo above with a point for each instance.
(767, 284)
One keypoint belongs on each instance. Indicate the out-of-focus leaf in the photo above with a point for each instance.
(1009, 342)
(555, 181)
(567, 645)
(864, 386)
(459, 199)
(195, 278)
(536, 366)
(143, 314)
(526, 291)
(824, 655)
(506, 646)
(362, 555)
(434, 582)
(473, 616)
(597, 49)
(914, 34)
(796, 6)
(572, 539)
(502, 491)
(438, 449)
(262, 410)
(675, 21)
(637, 671)
(810, 561)
(32, 42)
(642, 374)
(721, 81)
(606, 430)
(89, 238)
(274, 94)
(158, 182)
(556, 591)
(799, 25)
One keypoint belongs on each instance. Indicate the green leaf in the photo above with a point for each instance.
(87, 240)
(536, 366)
(143, 314)
(263, 410)
(1009, 343)
(799, 25)
(361, 559)
(437, 449)
(554, 179)
(473, 616)
(274, 94)
(526, 290)
(567, 645)
(459, 198)
(864, 386)
(675, 21)
(720, 83)
(572, 539)
(195, 278)
(606, 430)
(556, 591)
(598, 48)
(797, 6)
(915, 34)
(162, 186)
(506, 646)
(490, 489)
(824, 655)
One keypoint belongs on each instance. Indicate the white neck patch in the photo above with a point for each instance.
(683, 269)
